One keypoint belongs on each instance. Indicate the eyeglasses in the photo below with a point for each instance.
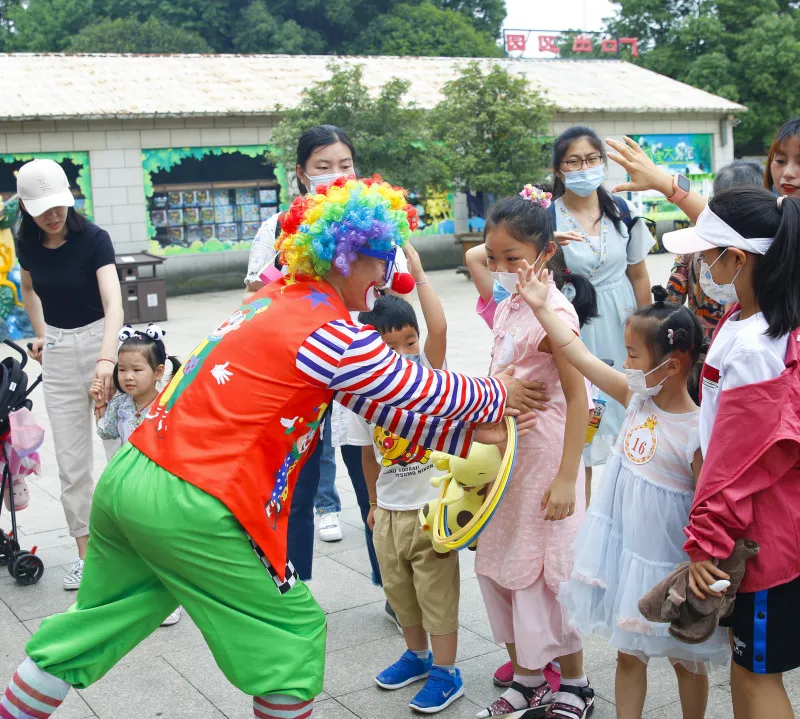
(387, 257)
(576, 163)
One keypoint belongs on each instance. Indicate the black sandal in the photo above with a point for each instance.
(585, 694)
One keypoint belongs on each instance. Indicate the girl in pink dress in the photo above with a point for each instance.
(525, 552)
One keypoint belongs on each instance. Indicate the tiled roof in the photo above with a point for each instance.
(54, 86)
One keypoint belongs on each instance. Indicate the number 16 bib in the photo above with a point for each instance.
(641, 441)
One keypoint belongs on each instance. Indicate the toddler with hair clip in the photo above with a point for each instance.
(140, 367)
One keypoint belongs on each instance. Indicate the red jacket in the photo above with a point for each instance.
(749, 486)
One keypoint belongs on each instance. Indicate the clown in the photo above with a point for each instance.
(193, 511)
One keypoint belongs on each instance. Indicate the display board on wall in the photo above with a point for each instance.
(688, 154)
(211, 216)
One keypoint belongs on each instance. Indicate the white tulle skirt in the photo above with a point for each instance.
(631, 539)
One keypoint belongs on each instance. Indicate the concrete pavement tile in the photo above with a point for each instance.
(354, 668)
(13, 637)
(472, 612)
(356, 559)
(352, 516)
(38, 600)
(477, 675)
(719, 706)
(74, 707)
(359, 625)
(662, 686)
(466, 564)
(352, 538)
(53, 557)
(330, 709)
(41, 515)
(48, 540)
(147, 688)
(377, 702)
(336, 587)
(472, 645)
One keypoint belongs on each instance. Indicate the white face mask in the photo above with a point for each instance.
(723, 294)
(322, 179)
(637, 381)
(505, 283)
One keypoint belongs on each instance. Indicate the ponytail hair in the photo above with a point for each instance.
(667, 327)
(529, 221)
(150, 343)
(756, 212)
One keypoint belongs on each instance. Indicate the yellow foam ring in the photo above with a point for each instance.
(466, 535)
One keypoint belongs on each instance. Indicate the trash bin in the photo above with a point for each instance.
(144, 294)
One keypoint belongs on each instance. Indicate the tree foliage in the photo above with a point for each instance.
(457, 27)
(389, 132)
(744, 51)
(491, 126)
(130, 35)
(427, 31)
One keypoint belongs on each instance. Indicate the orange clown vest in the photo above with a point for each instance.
(237, 420)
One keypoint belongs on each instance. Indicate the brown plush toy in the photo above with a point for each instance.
(693, 620)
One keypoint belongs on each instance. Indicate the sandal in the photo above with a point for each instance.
(559, 710)
(538, 700)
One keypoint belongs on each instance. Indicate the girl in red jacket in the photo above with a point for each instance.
(750, 419)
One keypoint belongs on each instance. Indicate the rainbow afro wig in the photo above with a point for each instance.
(328, 227)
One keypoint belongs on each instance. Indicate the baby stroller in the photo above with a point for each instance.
(24, 566)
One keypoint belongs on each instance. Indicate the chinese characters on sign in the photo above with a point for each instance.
(517, 42)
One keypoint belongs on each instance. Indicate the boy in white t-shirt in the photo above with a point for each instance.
(422, 587)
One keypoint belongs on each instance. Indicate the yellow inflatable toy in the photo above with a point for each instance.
(470, 493)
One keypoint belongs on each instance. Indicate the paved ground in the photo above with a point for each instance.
(173, 675)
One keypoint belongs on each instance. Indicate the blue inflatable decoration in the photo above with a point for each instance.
(19, 325)
(15, 277)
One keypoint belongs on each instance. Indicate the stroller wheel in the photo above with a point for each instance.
(26, 568)
(8, 548)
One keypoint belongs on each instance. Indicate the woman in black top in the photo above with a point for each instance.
(72, 295)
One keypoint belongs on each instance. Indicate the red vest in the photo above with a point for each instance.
(237, 420)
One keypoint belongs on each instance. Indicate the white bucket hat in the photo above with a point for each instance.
(710, 232)
(43, 185)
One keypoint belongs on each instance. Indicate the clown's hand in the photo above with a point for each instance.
(498, 433)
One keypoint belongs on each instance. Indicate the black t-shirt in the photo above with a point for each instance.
(66, 278)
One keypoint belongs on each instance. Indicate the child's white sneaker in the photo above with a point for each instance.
(72, 579)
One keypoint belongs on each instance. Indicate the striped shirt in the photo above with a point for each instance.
(395, 393)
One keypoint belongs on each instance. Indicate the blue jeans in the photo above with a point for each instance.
(327, 499)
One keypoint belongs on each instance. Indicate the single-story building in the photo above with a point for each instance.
(168, 153)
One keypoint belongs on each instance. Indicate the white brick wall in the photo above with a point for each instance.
(115, 147)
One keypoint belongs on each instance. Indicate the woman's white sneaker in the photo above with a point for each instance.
(329, 528)
(72, 579)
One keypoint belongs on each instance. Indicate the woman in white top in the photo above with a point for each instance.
(605, 251)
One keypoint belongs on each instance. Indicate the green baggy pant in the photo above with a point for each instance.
(158, 542)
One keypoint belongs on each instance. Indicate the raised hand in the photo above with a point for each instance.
(533, 289)
(564, 238)
(415, 268)
(644, 173)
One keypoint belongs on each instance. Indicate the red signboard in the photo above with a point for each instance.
(515, 43)
(518, 41)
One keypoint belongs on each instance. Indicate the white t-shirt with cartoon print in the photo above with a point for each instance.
(404, 482)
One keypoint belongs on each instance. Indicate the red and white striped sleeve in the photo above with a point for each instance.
(355, 360)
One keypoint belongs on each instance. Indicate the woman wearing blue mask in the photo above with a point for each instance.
(610, 255)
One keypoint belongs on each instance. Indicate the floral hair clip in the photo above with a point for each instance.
(671, 336)
(534, 194)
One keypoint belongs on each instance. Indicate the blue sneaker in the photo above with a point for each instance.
(439, 692)
(406, 670)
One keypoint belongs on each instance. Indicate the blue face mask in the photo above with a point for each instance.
(413, 358)
(584, 182)
(499, 293)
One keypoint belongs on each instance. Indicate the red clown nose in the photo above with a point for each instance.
(402, 283)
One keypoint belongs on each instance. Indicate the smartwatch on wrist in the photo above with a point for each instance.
(680, 188)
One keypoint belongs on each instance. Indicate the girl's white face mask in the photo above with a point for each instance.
(724, 294)
(637, 381)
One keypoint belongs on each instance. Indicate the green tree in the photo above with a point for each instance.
(265, 26)
(130, 35)
(261, 31)
(491, 125)
(390, 134)
(425, 30)
(745, 51)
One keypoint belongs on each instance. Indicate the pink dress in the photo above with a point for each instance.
(518, 546)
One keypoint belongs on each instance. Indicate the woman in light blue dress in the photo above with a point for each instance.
(605, 251)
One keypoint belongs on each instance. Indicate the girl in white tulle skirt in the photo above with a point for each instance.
(632, 536)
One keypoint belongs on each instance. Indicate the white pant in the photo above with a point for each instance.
(68, 364)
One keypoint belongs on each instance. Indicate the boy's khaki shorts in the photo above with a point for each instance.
(422, 586)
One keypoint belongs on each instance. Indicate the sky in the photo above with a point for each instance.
(555, 15)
